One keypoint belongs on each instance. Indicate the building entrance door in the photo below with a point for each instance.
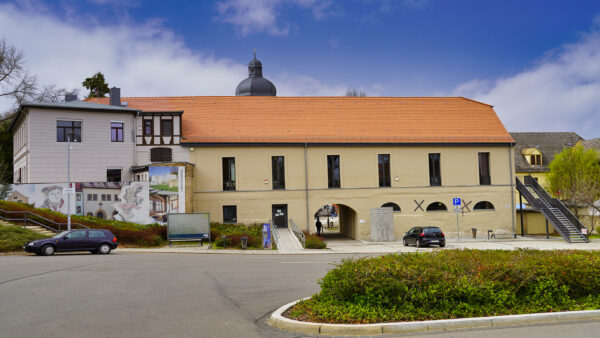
(280, 215)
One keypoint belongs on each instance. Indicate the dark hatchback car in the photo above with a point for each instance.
(93, 240)
(425, 236)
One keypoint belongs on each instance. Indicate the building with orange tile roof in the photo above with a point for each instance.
(259, 157)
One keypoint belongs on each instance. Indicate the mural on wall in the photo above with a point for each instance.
(167, 191)
(123, 201)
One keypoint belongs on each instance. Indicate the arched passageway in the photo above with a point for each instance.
(337, 220)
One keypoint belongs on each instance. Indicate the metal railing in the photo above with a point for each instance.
(274, 233)
(298, 233)
(28, 217)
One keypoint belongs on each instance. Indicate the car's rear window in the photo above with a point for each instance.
(431, 231)
(96, 234)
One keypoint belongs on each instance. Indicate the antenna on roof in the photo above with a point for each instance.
(254, 49)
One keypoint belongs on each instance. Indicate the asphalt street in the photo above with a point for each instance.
(174, 295)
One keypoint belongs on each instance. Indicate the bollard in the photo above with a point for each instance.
(474, 232)
(224, 239)
(244, 242)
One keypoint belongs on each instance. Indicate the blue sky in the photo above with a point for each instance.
(537, 62)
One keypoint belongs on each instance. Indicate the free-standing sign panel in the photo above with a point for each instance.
(188, 227)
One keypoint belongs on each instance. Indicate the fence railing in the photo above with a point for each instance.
(274, 233)
(298, 233)
(28, 217)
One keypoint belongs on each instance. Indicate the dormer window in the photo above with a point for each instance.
(533, 156)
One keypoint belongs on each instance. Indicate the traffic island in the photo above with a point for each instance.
(447, 290)
(278, 320)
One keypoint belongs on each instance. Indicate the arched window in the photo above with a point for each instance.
(89, 214)
(394, 206)
(114, 213)
(484, 205)
(436, 206)
(100, 214)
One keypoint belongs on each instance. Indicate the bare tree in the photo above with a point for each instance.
(15, 80)
(53, 93)
(356, 93)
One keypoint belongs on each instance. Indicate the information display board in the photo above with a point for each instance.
(188, 227)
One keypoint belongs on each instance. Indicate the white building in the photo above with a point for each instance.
(106, 140)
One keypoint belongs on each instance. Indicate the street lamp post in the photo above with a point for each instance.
(69, 134)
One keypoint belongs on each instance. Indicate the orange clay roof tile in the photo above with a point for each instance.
(255, 119)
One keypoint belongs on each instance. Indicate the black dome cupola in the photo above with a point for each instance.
(255, 84)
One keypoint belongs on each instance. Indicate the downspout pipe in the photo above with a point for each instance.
(512, 190)
(306, 184)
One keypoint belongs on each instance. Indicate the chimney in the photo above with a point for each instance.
(70, 97)
(115, 96)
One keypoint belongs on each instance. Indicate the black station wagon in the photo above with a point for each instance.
(424, 236)
(96, 241)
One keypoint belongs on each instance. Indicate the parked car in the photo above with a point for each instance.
(424, 236)
(97, 241)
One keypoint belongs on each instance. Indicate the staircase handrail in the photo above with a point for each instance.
(528, 196)
(298, 233)
(556, 203)
(25, 219)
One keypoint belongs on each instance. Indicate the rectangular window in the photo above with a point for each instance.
(161, 155)
(103, 197)
(113, 175)
(435, 176)
(333, 171)
(68, 131)
(484, 169)
(166, 127)
(116, 197)
(148, 128)
(89, 197)
(229, 214)
(383, 162)
(116, 131)
(277, 163)
(536, 159)
(228, 173)
(95, 197)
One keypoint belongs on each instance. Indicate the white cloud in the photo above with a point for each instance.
(560, 93)
(256, 16)
(143, 60)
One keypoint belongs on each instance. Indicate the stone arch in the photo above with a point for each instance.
(484, 205)
(436, 206)
(101, 214)
(347, 220)
(394, 206)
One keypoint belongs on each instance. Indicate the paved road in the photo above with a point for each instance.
(176, 295)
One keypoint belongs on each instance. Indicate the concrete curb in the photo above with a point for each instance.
(279, 321)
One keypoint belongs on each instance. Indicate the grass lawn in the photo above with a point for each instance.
(454, 284)
(12, 237)
(164, 187)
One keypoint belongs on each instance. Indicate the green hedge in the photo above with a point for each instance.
(312, 241)
(234, 233)
(454, 284)
(127, 233)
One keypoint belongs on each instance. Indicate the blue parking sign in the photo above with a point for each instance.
(456, 201)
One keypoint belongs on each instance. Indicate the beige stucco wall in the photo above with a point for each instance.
(359, 181)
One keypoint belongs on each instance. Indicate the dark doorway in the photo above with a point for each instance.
(280, 215)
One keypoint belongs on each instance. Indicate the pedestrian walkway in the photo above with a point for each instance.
(287, 241)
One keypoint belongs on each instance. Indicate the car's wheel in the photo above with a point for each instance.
(48, 250)
(442, 245)
(419, 244)
(405, 242)
(104, 248)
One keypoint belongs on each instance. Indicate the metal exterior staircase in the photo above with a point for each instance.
(561, 218)
(29, 219)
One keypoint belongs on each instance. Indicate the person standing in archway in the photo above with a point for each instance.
(319, 226)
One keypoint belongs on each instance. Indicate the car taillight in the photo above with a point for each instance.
(114, 239)
(422, 234)
(442, 234)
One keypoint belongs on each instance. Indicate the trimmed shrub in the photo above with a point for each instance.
(454, 284)
(313, 241)
(234, 233)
